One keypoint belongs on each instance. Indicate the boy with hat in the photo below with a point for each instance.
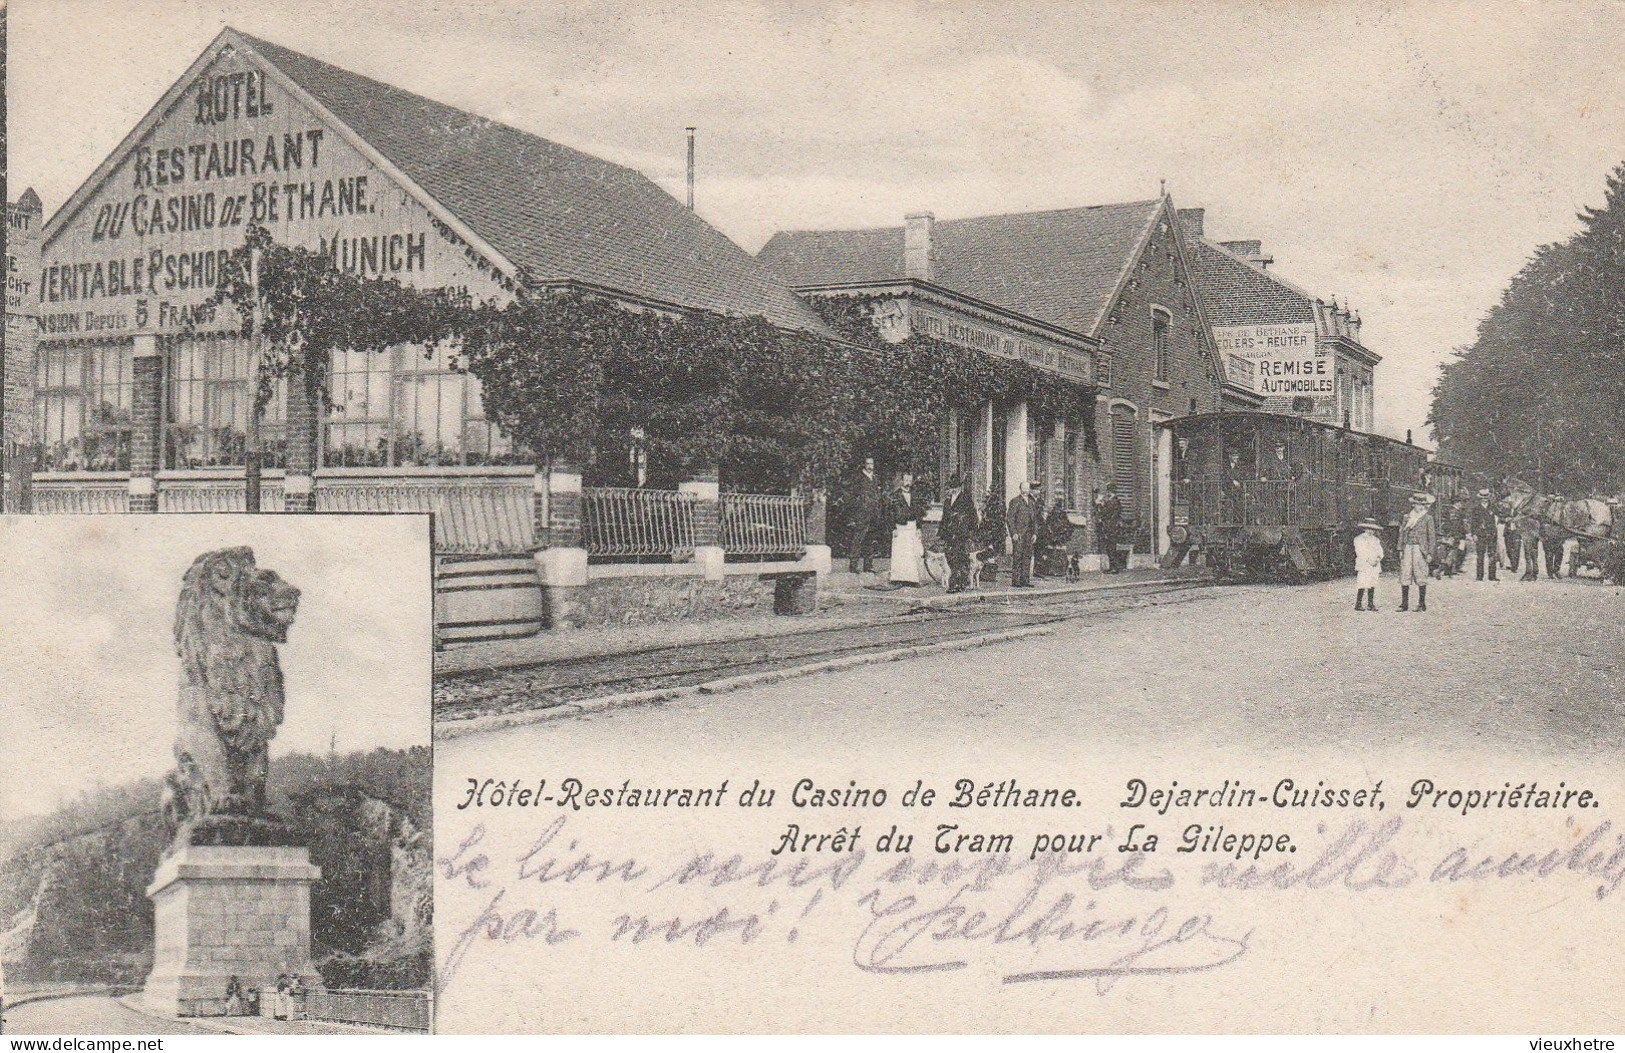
(1367, 564)
(1417, 539)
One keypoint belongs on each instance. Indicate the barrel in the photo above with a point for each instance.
(487, 598)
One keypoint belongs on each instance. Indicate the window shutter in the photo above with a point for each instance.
(1125, 467)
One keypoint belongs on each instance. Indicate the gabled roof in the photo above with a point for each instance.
(1235, 292)
(554, 213)
(1061, 267)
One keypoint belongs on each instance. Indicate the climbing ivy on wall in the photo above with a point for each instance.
(582, 377)
(304, 309)
(922, 378)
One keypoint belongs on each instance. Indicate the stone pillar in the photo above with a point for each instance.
(818, 516)
(562, 565)
(1015, 450)
(147, 430)
(539, 506)
(19, 479)
(228, 910)
(982, 456)
(299, 481)
(800, 596)
(708, 554)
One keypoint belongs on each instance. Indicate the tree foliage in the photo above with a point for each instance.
(83, 870)
(1541, 391)
(304, 308)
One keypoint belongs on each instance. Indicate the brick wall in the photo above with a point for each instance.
(146, 436)
(303, 416)
(1159, 278)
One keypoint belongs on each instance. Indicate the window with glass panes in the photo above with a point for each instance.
(958, 451)
(358, 431)
(439, 416)
(84, 407)
(209, 400)
(405, 407)
(1076, 457)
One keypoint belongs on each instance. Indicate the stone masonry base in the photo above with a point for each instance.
(224, 911)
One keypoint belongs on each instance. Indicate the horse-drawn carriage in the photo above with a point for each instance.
(1592, 524)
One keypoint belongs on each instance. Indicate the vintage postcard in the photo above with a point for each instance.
(217, 774)
(995, 516)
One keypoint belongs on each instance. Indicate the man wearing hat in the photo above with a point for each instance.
(1485, 528)
(1417, 538)
(1367, 564)
(958, 528)
(1108, 525)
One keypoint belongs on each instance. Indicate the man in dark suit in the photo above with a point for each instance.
(866, 512)
(958, 528)
(1484, 535)
(1108, 526)
(1023, 517)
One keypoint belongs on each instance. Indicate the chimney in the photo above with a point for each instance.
(917, 245)
(690, 130)
(1251, 251)
(1190, 221)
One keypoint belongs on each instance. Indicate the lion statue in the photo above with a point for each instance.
(229, 620)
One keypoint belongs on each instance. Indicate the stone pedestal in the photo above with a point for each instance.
(228, 910)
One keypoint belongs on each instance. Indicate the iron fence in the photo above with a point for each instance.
(1307, 503)
(401, 1010)
(764, 525)
(471, 516)
(621, 521)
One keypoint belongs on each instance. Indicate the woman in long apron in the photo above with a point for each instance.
(907, 550)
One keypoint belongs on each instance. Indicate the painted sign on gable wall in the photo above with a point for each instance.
(143, 253)
(1288, 361)
(22, 266)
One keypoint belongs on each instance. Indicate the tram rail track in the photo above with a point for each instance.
(479, 695)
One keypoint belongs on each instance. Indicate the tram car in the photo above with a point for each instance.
(1265, 495)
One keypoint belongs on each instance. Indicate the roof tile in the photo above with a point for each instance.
(1060, 267)
(1234, 292)
(559, 213)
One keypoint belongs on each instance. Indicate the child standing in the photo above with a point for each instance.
(1367, 565)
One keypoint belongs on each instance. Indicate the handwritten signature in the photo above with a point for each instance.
(1059, 919)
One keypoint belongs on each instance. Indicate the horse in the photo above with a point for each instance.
(1553, 521)
(1534, 515)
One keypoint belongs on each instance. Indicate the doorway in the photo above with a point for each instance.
(1162, 474)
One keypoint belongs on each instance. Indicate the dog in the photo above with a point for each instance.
(936, 565)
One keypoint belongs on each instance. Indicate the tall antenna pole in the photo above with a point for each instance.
(690, 130)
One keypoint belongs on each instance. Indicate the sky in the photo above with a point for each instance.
(88, 669)
(1404, 157)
